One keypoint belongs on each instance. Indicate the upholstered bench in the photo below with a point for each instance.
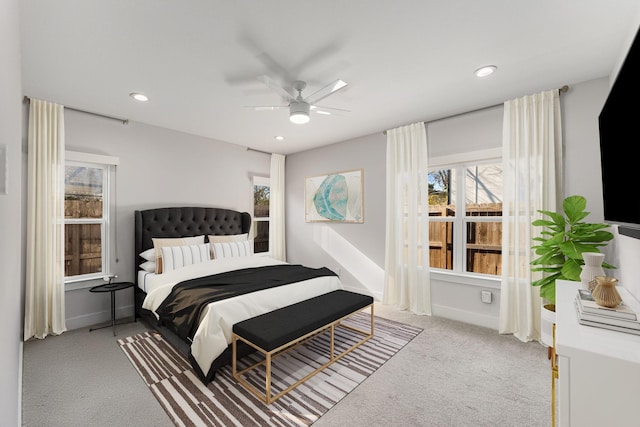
(275, 332)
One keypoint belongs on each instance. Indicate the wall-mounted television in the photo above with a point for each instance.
(619, 125)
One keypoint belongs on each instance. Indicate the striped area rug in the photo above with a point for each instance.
(224, 402)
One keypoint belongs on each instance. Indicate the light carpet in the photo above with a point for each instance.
(224, 402)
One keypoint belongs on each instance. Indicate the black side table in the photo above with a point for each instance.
(111, 287)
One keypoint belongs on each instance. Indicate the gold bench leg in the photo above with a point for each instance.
(233, 355)
(331, 346)
(268, 379)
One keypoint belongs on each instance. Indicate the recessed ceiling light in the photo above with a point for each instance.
(279, 138)
(139, 96)
(485, 71)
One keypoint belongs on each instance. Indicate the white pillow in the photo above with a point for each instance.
(149, 254)
(149, 266)
(158, 244)
(232, 249)
(226, 238)
(174, 257)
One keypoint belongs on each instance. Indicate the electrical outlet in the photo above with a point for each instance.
(485, 297)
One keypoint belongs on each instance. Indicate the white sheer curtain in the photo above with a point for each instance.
(277, 246)
(532, 167)
(44, 294)
(406, 282)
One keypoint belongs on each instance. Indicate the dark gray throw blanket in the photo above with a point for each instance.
(180, 311)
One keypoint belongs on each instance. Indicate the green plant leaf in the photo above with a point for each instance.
(548, 280)
(549, 292)
(571, 270)
(574, 206)
(561, 242)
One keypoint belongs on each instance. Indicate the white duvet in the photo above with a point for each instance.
(214, 332)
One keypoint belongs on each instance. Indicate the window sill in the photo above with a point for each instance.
(492, 282)
(85, 282)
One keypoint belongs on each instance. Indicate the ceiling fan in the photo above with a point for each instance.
(299, 106)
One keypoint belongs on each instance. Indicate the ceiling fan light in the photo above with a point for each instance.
(299, 112)
(299, 118)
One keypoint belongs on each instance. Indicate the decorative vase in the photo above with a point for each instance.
(605, 292)
(592, 267)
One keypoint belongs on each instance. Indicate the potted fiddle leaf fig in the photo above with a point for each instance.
(563, 240)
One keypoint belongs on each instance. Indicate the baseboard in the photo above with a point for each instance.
(465, 316)
(444, 311)
(91, 319)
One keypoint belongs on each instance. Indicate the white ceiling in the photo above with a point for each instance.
(404, 61)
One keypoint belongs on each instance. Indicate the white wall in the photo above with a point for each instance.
(580, 109)
(357, 250)
(158, 167)
(354, 251)
(11, 249)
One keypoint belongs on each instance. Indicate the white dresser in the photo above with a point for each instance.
(598, 369)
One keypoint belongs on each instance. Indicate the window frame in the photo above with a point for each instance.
(460, 162)
(108, 165)
(258, 180)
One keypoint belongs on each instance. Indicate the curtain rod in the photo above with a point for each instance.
(124, 121)
(258, 151)
(563, 89)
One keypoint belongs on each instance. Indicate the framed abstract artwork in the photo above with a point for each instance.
(335, 197)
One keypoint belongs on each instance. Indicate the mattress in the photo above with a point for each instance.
(142, 279)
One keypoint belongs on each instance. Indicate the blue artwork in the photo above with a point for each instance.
(334, 197)
(331, 198)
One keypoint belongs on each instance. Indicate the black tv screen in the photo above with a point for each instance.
(619, 124)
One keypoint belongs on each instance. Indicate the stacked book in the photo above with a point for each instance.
(623, 318)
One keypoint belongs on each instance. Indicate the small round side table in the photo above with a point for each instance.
(111, 287)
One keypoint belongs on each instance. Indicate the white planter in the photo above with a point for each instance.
(547, 319)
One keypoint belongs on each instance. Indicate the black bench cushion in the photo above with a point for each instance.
(276, 328)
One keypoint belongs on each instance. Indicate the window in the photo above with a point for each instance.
(86, 213)
(469, 240)
(261, 193)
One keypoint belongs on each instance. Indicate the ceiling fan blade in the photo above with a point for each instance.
(327, 110)
(326, 91)
(315, 57)
(266, 107)
(276, 88)
(250, 43)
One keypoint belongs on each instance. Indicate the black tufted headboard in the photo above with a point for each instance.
(185, 222)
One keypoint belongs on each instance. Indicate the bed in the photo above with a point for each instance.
(206, 342)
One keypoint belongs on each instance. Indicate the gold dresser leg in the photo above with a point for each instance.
(554, 377)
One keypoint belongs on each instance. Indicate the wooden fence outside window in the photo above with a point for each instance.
(484, 239)
(82, 242)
